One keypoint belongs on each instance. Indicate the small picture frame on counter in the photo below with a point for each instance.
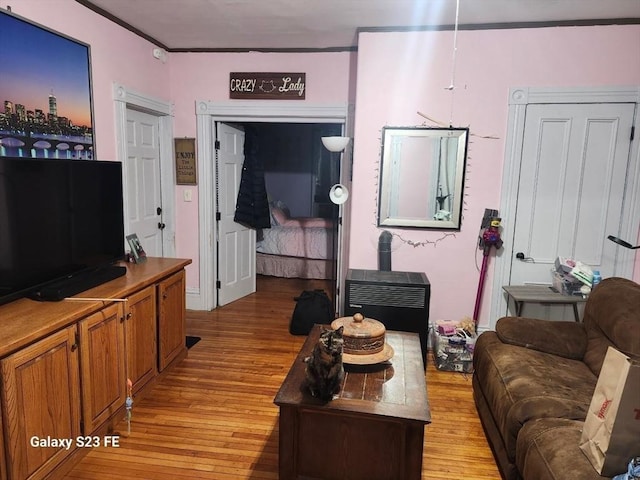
(137, 254)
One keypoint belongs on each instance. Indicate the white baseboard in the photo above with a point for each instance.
(194, 300)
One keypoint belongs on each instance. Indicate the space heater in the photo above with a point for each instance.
(400, 300)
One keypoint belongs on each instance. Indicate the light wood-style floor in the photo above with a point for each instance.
(213, 416)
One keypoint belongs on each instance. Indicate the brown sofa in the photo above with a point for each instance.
(533, 381)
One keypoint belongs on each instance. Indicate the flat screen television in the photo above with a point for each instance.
(61, 224)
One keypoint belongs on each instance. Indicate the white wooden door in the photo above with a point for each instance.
(236, 243)
(571, 190)
(143, 181)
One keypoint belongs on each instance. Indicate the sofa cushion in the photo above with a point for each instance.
(566, 339)
(612, 319)
(520, 384)
(548, 449)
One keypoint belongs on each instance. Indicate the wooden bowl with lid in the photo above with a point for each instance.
(364, 340)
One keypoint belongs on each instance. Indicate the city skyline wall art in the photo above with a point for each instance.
(46, 106)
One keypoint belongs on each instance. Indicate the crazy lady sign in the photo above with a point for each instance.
(267, 86)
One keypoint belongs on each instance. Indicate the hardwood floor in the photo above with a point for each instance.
(213, 417)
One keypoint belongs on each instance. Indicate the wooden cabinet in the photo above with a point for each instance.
(171, 319)
(64, 365)
(141, 337)
(40, 400)
(102, 366)
(3, 465)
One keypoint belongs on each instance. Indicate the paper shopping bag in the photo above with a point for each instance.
(611, 431)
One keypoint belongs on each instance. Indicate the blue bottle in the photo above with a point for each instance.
(596, 279)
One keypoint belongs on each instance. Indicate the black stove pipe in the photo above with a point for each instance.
(384, 251)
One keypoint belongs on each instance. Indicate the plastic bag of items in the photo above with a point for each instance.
(452, 344)
(571, 277)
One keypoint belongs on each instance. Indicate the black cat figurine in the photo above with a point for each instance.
(324, 371)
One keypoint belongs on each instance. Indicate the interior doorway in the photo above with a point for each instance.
(130, 106)
(142, 168)
(207, 115)
(617, 179)
(298, 173)
(571, 192)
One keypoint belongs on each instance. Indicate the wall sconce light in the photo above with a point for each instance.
(335, 144)
(338, 194)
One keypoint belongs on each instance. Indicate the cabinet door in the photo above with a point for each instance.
(141, 337)
(171, 318)
(40, 400)
(102, 358)
(3, 465)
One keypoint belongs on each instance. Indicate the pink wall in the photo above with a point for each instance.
(400, 74)
(205, 76)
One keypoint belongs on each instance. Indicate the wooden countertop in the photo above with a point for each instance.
(395, 389)
(25, 321)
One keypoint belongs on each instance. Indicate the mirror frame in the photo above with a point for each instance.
(386, 164)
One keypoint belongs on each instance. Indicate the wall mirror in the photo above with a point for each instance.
(422, 177)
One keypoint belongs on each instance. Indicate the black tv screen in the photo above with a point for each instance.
(57, 218)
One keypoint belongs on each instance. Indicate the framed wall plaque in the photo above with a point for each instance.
(185, 152)
(267, 86)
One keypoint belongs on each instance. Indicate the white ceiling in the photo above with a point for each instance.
(332, 24)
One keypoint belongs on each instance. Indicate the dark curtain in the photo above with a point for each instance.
(252, 206)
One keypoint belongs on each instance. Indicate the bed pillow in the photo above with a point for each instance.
(279, 216)
(279, 212)
(283, 206)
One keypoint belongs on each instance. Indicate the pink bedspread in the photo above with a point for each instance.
(307, 222)
(295, 241)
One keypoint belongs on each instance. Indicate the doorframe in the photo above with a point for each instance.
(519, 99)
(124, 99)
(207, 114)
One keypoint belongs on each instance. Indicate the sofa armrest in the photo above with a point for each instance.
(565, 339)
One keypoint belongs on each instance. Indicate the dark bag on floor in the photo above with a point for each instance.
(313, 306)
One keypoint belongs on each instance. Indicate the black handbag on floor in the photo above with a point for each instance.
(313, 306)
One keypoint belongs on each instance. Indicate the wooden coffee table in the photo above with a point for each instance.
(373, 430)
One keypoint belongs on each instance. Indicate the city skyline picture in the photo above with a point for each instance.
(45, 92)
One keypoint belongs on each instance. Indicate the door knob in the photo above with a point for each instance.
(523, 258)
(161, 225)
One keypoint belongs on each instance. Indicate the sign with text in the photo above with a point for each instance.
(185, 152)
(267, 86)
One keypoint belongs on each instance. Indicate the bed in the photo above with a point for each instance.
(296, 247)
